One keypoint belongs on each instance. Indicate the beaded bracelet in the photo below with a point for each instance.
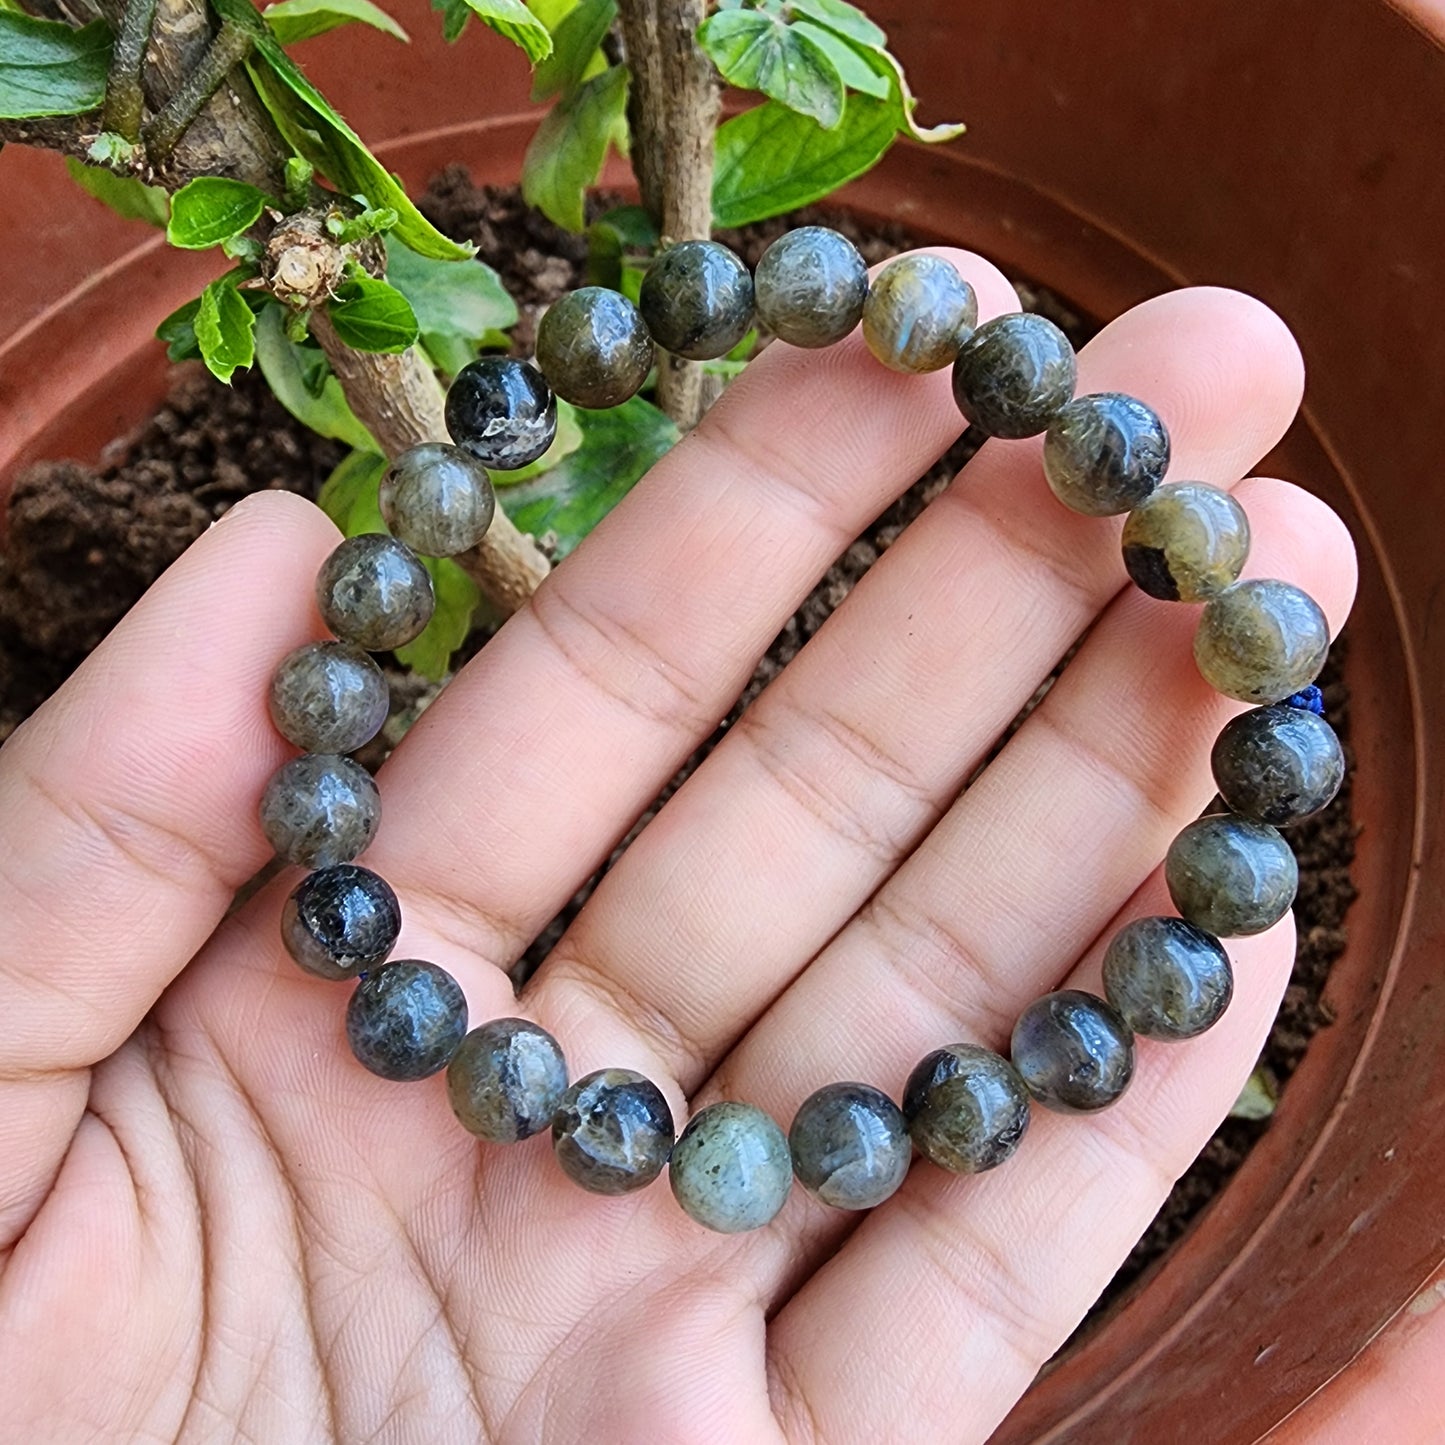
(964, 1107)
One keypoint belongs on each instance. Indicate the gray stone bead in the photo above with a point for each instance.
(731, 1169)
(612, 1132)
(918, 313)
(850, 1145)
(328, 697)
(967, 1108)
(811, 286)
(1014, 375)
(506, 1080)
(320, 810)
(1278, 764)
(374, 592)
(340, 921)
(1168, 979)
(1186, 542)
(1261, 640)
(1231, 876)
(697, 300)
(437, 499)
(1073, 1051)
(501, 411)
(405, 1021)
(1105, 453)
(594, 348)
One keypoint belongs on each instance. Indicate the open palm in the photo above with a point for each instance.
(216, 1224)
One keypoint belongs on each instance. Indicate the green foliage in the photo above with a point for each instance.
(371, 222)
(211, 210)
(303, 383)
(618, 446)
(619, 244)
(48, 68)
(463, 299)
(760, 51)
(566, 154)
(787, 152)
(125, 195)
(509, 18)
(575, 55)
(349, 498)
(178, 331)
(225, 327)
(372, 315)
(313, 129)
(293, 20)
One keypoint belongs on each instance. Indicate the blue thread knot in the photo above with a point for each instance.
(1310, 698)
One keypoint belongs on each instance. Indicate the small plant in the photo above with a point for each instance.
(353, 306)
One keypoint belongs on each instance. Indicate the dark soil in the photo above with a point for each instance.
(83, 544)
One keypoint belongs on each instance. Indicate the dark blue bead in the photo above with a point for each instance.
(405, 1021)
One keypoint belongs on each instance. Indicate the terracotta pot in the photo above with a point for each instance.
(1290, 149)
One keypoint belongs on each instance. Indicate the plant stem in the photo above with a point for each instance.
(400, 402)
(672, 114)
(230, 46)
(124, 98)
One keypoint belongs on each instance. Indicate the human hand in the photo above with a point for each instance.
(216, 1223)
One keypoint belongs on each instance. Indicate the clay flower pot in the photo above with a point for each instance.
(1289, 149)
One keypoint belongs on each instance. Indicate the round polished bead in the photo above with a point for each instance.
(697, 300)
(594, 348)
(612, 1132)
(1231, 876)
(1074, 1052)
(320, 810)
(918, 313)
(811, 286)
(850, 1145)
(502, 412)
(1278, 764)
(405, 1021)
(731, 1170)
(340, 921)
(374, 592)
(1105, 453)
(1168, 979)
(1261, 640)
(1186, 542)
(967, 1108)
(437, 499)
(328, 697)
(1014, 375)
(506, 1080)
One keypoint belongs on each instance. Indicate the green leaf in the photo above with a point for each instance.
(430, 655)
(211, 209)
(47, 68)
(313, 129)
(610, 236)
(842, 19)
(299, 174)
(371, 222)
(551, 12)
(509, 18)
(771, 159)
(293, 20)
(115, 151)
(448, 354)
(372, 315)
(618, 446)
(178, 331)
(574, 48)
(903, 99)
(125, 195)
(566, 154)
(348, 495)
(1258, 1098)
(761, 52)
(856, 73)
(450, 298)
(225, 328)
(303, 382)
(566, 441)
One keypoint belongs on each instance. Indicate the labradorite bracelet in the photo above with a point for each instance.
(964, 1107)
